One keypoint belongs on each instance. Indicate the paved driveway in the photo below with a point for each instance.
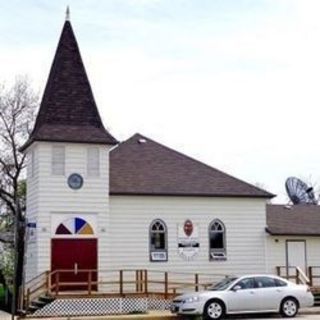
(274, 317)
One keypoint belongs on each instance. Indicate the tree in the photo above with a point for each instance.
(17, 113)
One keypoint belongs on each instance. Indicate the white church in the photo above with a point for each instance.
(100, 204)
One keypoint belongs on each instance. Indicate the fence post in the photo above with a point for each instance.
(137, 281)
(141, 281)
(47, 281)
(278, 271)
(166, 285)
(146, 282)
(196, 282)
(297, 276)
(121, 282)
(310, 276)
(28, 298)
(57, 282)
(89, 282)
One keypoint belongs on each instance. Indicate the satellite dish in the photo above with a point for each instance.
(299, 192)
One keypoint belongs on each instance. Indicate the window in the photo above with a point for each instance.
(31, 165)
(93, 162)
(217, 241)
(58, 160)
(266, 282)
(246, 283)
(158, 241)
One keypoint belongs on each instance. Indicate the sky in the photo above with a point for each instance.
(232, 83)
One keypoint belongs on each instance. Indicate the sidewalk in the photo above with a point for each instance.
(5, 315)
(312, 310)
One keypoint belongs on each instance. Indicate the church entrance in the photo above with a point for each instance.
(75, 262)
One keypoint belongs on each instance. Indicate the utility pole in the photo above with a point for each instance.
(15, 259)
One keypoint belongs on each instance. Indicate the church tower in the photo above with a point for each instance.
(67, 171)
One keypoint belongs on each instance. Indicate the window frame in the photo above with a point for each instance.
(221, 253)
(54, 148)
(90, 172)
(153, 250)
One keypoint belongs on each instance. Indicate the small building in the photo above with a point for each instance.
(293, 240)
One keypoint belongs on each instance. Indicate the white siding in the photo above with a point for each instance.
(276, 251)
(131, 216)
(54, 196)
(32, 207)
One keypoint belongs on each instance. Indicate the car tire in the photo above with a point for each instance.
(214, 310)
(289, 307)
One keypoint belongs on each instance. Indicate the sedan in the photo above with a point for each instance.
(247, 294)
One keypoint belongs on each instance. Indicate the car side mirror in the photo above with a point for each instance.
(236, 288)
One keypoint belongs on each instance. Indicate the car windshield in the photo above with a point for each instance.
(223, 285)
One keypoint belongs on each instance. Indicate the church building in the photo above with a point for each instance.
(100, 204)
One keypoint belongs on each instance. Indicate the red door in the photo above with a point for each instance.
(74, 257)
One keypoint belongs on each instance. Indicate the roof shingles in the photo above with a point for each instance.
(303, 219)
(144, 167)
(68, 112)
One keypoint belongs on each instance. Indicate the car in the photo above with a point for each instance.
(245, 294)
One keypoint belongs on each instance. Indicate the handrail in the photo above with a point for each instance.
(302, 276)
(93, 282)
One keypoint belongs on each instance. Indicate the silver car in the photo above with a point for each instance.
(247, 294)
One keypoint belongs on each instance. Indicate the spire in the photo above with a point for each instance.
(68, 111)
(68, 14)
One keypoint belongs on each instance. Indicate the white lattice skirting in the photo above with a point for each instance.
(101, 306)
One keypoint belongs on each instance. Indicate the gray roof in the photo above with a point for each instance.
(141, 166)
(303, 219)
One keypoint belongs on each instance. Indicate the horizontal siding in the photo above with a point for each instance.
(129, 232)
(276, 250)
(54, 195)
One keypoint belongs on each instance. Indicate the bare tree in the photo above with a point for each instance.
(17, 112)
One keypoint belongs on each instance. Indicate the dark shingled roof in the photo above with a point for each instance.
(140, 166)
(68, 112)
(302, 219)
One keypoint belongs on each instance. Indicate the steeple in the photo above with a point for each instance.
(68, 112)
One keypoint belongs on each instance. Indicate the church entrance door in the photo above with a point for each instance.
(75, 262)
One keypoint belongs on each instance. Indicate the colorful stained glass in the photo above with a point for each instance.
(74, 226)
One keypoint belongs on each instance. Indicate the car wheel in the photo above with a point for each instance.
(289, 307)
(214, 309)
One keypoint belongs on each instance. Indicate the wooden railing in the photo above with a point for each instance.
(295, 274)
(89, 283)
(314, 275)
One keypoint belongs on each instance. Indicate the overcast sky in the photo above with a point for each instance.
(234, 84)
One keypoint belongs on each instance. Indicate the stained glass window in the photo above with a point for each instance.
(73, 226)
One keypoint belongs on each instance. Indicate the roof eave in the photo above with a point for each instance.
(124, 193)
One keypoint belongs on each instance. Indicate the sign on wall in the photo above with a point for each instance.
(31, 231)
(188, 240)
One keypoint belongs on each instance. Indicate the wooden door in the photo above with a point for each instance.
(75, 257)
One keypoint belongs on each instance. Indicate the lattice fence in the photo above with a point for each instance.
(101, 306)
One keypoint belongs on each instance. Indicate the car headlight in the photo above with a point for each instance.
(192, 299)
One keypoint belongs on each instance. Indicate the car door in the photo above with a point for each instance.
(243, 296)
(270, 292)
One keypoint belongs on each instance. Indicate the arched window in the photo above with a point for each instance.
(217, 241)
(158, 241)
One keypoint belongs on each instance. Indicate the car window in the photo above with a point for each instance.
(222, 285)
(247, 283)
(265, 282)
(280, 283)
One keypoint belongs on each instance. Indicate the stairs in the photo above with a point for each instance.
(39, 303)
(316, 295)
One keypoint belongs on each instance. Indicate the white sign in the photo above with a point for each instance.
(188, 240)
(31, 231)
